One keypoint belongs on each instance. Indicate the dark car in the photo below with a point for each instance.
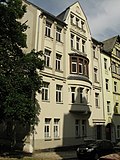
(95, 149)
(117, 147)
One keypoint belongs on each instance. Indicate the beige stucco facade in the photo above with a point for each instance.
(73, 98)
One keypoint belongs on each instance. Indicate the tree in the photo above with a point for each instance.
(19, 72)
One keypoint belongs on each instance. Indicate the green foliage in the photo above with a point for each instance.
(19, 73)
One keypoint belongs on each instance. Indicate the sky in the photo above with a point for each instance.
(103, 15)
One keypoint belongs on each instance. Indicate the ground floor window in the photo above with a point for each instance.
(47, 130)
(56, 128)
(118, 131)
(80, 128)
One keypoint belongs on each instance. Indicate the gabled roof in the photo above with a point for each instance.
(46, 12)
(108, 44)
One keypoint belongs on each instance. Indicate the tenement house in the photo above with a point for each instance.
(72, 100)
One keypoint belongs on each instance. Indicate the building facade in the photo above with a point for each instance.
(73, 102)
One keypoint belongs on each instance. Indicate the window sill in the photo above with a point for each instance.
(59, 102)
(48, 139)
(48, 67)
(48, 101)
(59, 71)
(57, 138)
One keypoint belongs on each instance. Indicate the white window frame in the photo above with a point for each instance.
(47, 128)
(81, 94)
(47, 57)
(97, 100)
(72, 41)
(48, 29)
(59, 93)
(73, 94)
(77, 43)
(95, 75)
(45, 91)
(58, 61)
(83, 46)
(58, 34)
(56, 128)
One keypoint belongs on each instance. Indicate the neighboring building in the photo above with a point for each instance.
(112, 48)
(77, 95)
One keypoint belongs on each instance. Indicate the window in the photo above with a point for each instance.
(58, 34)
(105, 63)
(77, 128)
(117, 53)
(72, 41)
(77, 43)
(74, 65)
(80, 66)
(95, 75)
(87, 95)
(118, 70)
(71, 19)
(97, 100)
(108, 106)
(114, 67)
(83, 46)
(116, 110)
(56, 128)
(107, 84)
(82, 25)
(77, 22)
(94, 52)
(58, 62)
(47, 57)
(45, 91)
(73, 94)
(118, 131)
(48, 29)
(47, 128)
(58, 93)
(83, 128)
(81, 95)
(115, 86)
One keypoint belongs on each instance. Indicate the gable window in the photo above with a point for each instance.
(107, 84)
(48, 29)
(71, 19)
(58, 62)
(77, 22)
(58, 93)
(97, 100)
(105, 63)
(82, 25)
(45, 91)
(73, 94)
(47, 57)
(58, 34)
(77, 43)
(83, 46)
(56, 128)
(117, 53)
(47, 127)
(72, 41)
(118, 70)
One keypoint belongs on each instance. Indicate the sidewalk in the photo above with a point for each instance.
(55, 155)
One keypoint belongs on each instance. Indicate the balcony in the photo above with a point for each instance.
(83, 109)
